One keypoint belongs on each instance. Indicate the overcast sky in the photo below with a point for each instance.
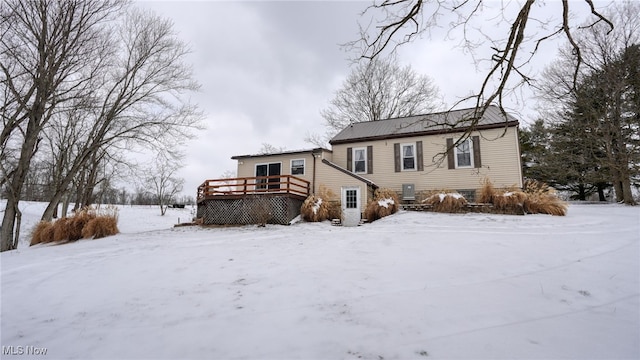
(268, 68)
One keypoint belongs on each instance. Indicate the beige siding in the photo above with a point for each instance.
(247, 166)
(334, 180)
(500, 160)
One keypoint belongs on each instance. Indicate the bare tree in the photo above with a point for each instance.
(162, 182)
(267, 148)
(397, 22)
(377, 90)
(48, 53)
(140, 102)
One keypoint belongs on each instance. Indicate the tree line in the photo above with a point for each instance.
(84, 83)
(588, 140)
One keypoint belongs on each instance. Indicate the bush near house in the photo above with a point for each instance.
(321, 206)
(86, 223)
(535, 198)
(385, 202)
(446, 202)
(542, 199)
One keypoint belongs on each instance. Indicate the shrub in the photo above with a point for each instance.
(487, 192)
(446, 202)
(545, 204)
(535, 198)
(314, 209)
(61, 229)
(335, 210)
(101, 226)
(385, 202)
(42, 233)
(542, 199)
(321, 206)
(507, 200)
(85, 223)
(79, 221)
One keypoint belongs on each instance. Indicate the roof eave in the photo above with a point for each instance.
(505, 124)
(293, 152)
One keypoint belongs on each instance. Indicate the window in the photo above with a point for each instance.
(351, 198)
(464, 154)
(264, 170)
(408, 157)
(360, 160)
(297, 167)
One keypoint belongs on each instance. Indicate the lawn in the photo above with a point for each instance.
(410, 286)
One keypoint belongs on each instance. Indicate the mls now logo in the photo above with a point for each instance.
(23, 350)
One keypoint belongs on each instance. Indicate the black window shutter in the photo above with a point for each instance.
(419, 155)
(450, 160)
(477, 160)
(349, 159)
(369, 159)
(396, 156)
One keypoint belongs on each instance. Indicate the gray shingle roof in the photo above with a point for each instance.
(436, 123)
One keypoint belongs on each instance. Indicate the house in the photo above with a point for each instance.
(410, 155)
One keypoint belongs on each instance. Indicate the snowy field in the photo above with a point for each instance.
(409, 286)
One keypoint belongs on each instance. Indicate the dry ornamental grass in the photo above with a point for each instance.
(446, 202)
(101, 226)
(321, 206)
(385, 202)
(86, 223)
(536, 198)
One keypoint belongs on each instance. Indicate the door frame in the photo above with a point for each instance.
(351, 216)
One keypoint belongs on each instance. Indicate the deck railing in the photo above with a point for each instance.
(276, 184)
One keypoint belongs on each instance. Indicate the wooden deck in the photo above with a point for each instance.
(260, 185)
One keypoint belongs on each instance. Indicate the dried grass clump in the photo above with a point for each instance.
(545, 204)
(78, 222)
(321, 206)
(42, 233)
(537, 187)
(509, 201)
(85, 223)
(543, 199)
(335, 210)
(101, 226)
(61, 229)
(385, 202)
(314, 209)
(487, 192)
(535, 198)
(450, 202)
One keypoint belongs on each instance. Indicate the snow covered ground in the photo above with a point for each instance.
(409, 286)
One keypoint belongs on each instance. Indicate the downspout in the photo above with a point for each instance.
(313, 180)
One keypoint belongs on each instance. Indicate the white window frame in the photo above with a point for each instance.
(304, 165)
(353, 159)
(415, 157)
(455, 155)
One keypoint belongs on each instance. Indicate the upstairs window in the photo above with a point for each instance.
(297, 167)
(408, 157)
(464, 154)
(360, 160)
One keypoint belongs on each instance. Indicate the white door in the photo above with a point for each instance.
(350, 205)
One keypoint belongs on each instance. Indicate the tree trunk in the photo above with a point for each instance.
(627, 195)
(581, 192)
(65, 204)
(601, 188)
(8, 223)
(16, 183)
